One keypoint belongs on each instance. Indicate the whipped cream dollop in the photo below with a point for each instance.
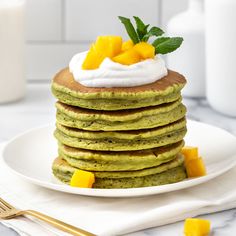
(112, 74)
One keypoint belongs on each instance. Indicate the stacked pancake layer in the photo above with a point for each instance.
(128, 137)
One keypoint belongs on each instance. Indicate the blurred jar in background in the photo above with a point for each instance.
(12, 50)
(221, 55)
(189, 60)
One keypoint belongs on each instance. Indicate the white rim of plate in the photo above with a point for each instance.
(128, 192)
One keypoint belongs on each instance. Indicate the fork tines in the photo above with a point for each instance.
(4, 205)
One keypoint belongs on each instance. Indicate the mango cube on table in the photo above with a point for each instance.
(82, 179)
(196, 227)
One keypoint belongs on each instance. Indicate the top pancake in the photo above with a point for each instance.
(172, 83)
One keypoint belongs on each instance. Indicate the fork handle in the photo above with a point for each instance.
(58, 224)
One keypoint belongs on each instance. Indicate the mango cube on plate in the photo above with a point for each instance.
(82, 179)
(195, 168)
(193, 163)
(196, 227)
(190, 153)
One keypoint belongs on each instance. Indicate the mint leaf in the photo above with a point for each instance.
(130, 29)
(166, 45)
(141, 28)
(154, 31)
(162, 45)
(160, 40)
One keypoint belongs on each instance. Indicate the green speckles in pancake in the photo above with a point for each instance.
(168, 177)
(111, 166)
(113, 104)
(165, 90)
(126, 135)
(119, 161)
(170, 172)
(121, 140)
(83, 154)
(120, 145)
(176, 161)
(142, 118)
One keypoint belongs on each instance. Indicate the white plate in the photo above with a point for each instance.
(30, 156)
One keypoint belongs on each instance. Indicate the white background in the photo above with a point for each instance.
(57, 29)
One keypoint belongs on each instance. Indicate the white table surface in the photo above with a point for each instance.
(37, 108)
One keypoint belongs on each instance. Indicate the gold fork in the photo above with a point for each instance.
(7, 212)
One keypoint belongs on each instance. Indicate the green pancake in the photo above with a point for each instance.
(113, 104)
(142, 118)
(176, 161)
(170, 172)
(118, 161)
(165, 90)
(122, 135)
(128, 137)
(121, 140)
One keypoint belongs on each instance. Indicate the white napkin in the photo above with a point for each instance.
(114, 216)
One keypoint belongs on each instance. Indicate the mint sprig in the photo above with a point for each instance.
(166, 45)
(141, 28)
(130, 29)
(154, 31)
(163, 45)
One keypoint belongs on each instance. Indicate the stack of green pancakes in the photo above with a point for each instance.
(128, 137)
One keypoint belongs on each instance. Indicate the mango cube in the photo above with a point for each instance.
(109, 46)
(127, 45)
(194, 165)
(128, 57)
(189, 153)
(196, 227)
(93, 59)
(82, 179)
(105, 46)
(145, 50)
(195, 168)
